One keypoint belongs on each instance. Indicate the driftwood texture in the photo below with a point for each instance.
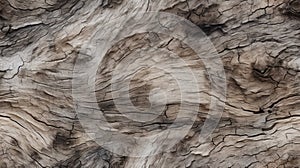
(257, 40)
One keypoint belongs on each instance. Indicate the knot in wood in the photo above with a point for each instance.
(294, 7)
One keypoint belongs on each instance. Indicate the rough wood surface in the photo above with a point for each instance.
(257, 40)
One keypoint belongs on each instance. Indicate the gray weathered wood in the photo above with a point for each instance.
(258, 41)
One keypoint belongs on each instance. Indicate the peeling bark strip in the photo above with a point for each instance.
(258, 41)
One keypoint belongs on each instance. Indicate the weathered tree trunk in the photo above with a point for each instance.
(257, 40)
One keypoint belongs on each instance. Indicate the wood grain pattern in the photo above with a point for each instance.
(258, 41)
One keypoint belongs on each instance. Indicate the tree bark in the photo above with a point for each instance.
(257, 41)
